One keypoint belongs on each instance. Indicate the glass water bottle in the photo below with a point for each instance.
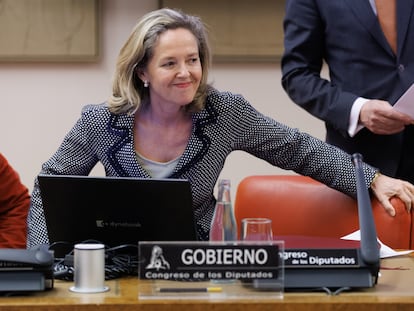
(223, 225)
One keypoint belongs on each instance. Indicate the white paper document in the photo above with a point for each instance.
(385, 251)
(406, 102)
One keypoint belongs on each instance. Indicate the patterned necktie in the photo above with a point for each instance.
(387, 16)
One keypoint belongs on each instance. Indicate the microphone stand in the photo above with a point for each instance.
(369, 244)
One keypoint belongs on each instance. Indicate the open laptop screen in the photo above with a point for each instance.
(117, 211)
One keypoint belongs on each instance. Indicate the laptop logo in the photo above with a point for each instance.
(100, 223)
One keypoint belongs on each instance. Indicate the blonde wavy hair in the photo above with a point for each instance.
(128, 91)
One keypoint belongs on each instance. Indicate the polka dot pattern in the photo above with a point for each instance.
(227, 123)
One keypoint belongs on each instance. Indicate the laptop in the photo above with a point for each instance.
(116, 211)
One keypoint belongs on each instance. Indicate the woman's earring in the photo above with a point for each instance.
(146, 83)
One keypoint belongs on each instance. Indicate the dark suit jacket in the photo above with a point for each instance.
(347, 36)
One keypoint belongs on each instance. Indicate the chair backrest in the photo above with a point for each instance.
(300, 205)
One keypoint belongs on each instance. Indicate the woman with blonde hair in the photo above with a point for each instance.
(163, 120)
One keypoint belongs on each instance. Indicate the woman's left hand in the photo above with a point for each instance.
(385, 187)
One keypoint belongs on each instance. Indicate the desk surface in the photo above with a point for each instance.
(394, 291)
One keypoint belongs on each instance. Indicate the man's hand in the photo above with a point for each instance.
(379, 117)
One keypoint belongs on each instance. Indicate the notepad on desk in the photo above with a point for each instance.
(385, 251)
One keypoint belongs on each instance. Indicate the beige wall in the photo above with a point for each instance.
(41, 101)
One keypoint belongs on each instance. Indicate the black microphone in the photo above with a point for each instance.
(369, 245)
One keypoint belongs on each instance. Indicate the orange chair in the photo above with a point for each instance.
(300, 205)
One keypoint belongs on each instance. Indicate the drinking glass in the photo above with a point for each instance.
(256, 229)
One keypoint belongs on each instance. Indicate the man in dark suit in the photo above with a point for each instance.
(368, 72)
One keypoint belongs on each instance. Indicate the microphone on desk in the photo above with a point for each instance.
(369, 244)
(356, 267)
(336, 268)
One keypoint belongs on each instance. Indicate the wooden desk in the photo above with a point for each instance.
(395, 291)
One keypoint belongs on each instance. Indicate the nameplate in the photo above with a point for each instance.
(199, 261)
(302, 258)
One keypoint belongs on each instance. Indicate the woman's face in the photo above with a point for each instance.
(174, 72)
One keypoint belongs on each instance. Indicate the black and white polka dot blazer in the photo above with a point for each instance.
(227, 123)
